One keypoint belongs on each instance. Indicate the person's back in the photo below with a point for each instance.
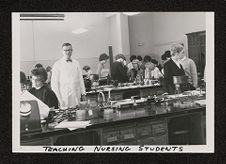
(119, 69)
(117, 72)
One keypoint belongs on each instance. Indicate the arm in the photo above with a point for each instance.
(99, 67)
(194, 73)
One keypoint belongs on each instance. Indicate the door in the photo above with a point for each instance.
(197, 50)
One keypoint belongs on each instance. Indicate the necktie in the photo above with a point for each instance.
(69, 60)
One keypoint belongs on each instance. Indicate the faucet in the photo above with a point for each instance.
(103, 97)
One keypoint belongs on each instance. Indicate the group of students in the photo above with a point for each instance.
(67, 84)
(122, 72)
(175, 63)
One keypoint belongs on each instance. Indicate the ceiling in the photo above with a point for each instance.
(73, 20)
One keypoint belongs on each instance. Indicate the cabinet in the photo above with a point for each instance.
(37, 142)
(197, 50)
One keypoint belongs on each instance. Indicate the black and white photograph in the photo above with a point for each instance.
(113, 82)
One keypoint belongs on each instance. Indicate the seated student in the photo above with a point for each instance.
(26, 96)
(41, 91)
(149, 66)
(132, 73)
(130, 65)
(156, 73)
(119, 69)
(87, 71)
(147, 59)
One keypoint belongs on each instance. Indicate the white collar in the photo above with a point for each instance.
(183, 58)
(176, 62)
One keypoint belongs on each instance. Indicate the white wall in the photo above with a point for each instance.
(41, 40)
(120, 34)
(41, 43)
(141, 31)
(158, 30)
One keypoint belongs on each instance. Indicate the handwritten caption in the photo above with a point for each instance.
(102, 149)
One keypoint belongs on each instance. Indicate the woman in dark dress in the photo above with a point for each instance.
(41, 91)
(173, 68)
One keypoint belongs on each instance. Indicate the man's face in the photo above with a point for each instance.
(36, 82)
(67, 52)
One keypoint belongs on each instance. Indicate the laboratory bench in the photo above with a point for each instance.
(146, 123)
(124, 92)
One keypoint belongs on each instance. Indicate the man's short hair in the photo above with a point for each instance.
(103, 56)
(66, 44)
(176, 48)
(41, 72)
(23, 79)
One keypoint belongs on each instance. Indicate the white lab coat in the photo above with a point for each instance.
(67, 82)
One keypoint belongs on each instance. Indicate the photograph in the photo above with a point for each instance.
(138, 82)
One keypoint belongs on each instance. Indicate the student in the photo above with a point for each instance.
(132, 73)
(140, 59)
(102, 69)
(41, 91)
(119, 69)
(173, 68)
(87, 71)
(130, 65)
(156, 73)
(190, 70)
(27, 96)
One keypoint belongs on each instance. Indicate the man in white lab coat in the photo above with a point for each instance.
(67, 81)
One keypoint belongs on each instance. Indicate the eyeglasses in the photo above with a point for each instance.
(36, 80)
(70, 50)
